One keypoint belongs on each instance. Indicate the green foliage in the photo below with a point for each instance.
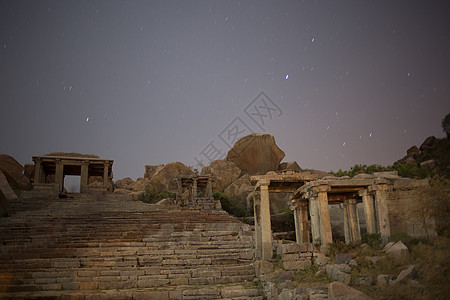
(373, 240)
(356, 169)
(408, 240)
(151, 196)
(336, 248)
(232, 206)
(411, 170)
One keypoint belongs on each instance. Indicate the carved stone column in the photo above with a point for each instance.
(325, 223)
(84, 176)
(105, 175)
(347, 231)
(382, 210)
(266, 228)
(258, 233)
(369, 211)
(37, 171)
(59, 175)
(354, 221)
(315, 218)
(304, 222)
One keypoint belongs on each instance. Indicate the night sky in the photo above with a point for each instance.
(149, 82)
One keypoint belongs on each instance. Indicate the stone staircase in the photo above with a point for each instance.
(107, 247)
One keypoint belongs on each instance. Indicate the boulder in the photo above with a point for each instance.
(413, 151)
(399, 252)
(5, 188)
(223, 172)
(240, 188)
(256, 154)
(151, 170)
(382, 280)
(139, 186)
(339, 272)
(163, 178)
(406, 274)
(290, 165)
(124, 182)
(340, 291)
(13, 172)
(343, 258)
(430, 164)
(430, 143)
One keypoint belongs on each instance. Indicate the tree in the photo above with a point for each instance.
(446, 125)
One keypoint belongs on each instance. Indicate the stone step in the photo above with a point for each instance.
(225, 291)
(52, 246)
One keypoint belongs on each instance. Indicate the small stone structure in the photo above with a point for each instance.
(286, 182)
(196, 191)
(376, 192)
(49, 172)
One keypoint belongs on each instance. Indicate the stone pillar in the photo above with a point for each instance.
(59, 175)
(382, 210)
(266, 227)
(369, 211)
(209, 192)
(105, 175)
(354, 220)
(37, 171)
(84, 176)
(298, 234)
(347, 235)
(324, 212)
(257, 216)
(304, 222)
(194, 189)
(179, 190)
(315, 218)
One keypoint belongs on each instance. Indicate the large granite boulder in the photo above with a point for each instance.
(139, 185)
(163, 179)
(151, 170)
(240, 188)
(289, 165)
(5, 188)
(223, 173)
(256, 154)
(13, 172)
(124, 182)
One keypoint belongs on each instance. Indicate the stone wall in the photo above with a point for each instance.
(401, 218)
(295, 256)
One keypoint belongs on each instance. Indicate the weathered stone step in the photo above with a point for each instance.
(226, 291)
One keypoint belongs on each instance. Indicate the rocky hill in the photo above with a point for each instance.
(433, 154)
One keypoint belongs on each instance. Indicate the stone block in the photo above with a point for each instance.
(406, 274)
(296, 265)
(201, 281)
(290, 256)
(293, 248)
(88, 285)
(343, 258)
(382, 280)
(285, 275)
(154, 295)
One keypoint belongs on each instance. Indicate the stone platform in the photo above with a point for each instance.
(107, 247)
